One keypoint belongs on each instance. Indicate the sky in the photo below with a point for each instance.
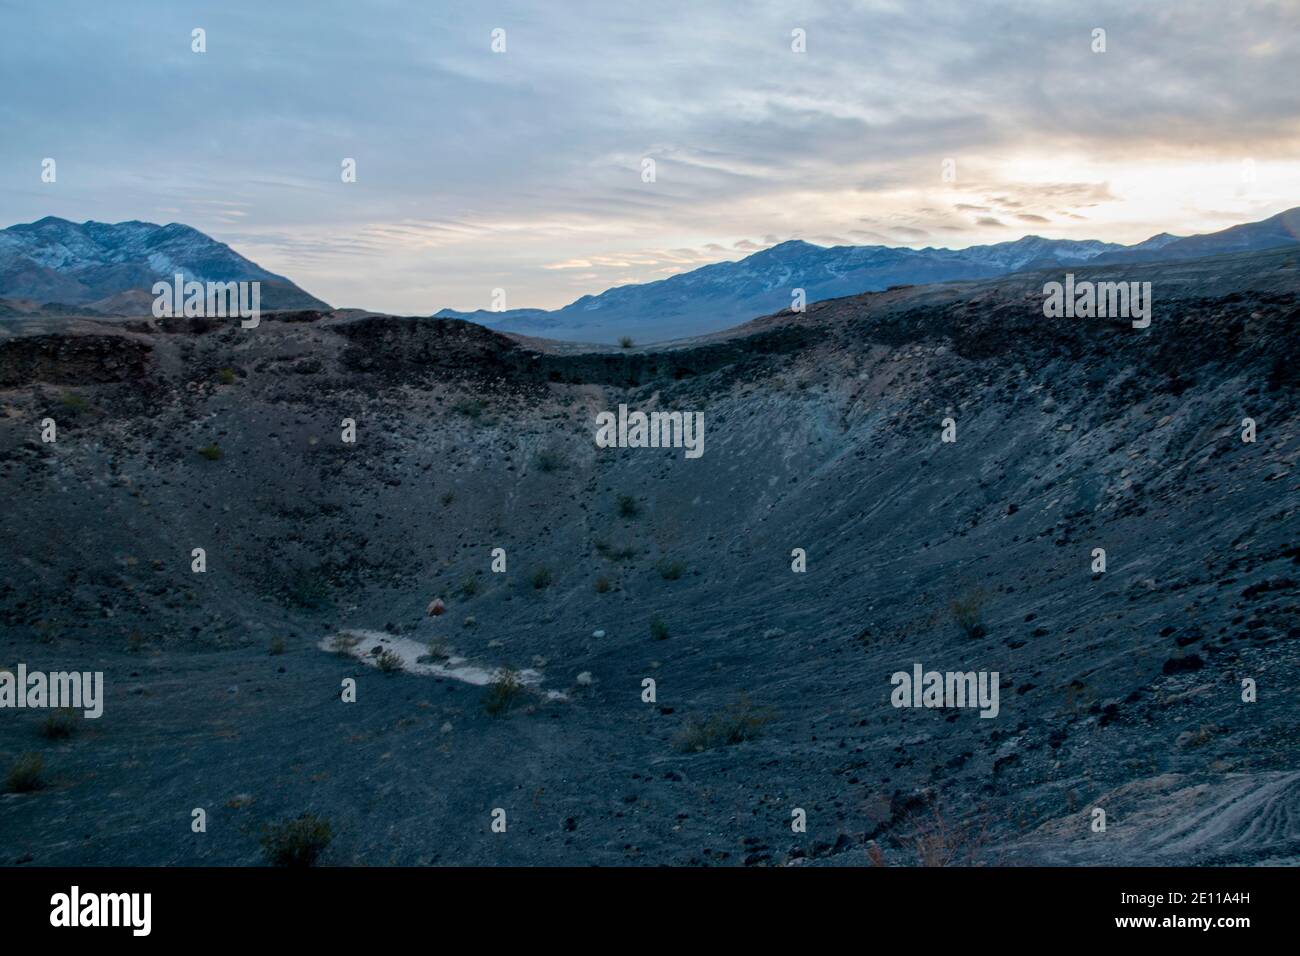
(523, 170)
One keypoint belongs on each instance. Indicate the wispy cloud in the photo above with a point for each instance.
(523, 170)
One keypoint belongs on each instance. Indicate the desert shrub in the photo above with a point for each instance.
(503, 693)
(658, 629)
(74, 402)
(344, 643)
(297, 842)
(226, 376)
(549, 461)
(627, 507)
(739, 722)
(278, 646)
(540, 578)
(469, 586)
(307, 588)
(211, 452)
(602, 585)
(671, 570)
(938, 842)
(469, 407)
(613, 552)
(447, 498)
(968, 612)
(439, 650)
(25, 773)
(389, 662)
(60, 724)
(625, 342)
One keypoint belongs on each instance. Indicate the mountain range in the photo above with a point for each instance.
(1120, 688)
(53, 265)
(725, 294)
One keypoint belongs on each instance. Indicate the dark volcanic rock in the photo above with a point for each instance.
(773, 693)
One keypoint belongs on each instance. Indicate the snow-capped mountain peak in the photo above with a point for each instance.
(55, 260)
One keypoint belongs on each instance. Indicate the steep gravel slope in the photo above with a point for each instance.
(1120, 690)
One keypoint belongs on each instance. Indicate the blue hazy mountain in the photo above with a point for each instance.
(725, 294)
(1280, 230)
(112, 266)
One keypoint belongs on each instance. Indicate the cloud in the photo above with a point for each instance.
(476, 169)
(868, 237)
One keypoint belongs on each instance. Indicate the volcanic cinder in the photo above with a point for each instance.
(1123, 690)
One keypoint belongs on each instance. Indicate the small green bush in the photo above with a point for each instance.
(345, 643)
(307, 588)
(226, 376)
(389, 662)
(25, 773)
(658, 629)
(211, 452)
(469, 407)
(549, 461)
(541, 578)
(671, 570)
(627, 507)
(503, 693)
(739, 722)
(59, 725)
(612, 552)
(297, 842)
(602, 585)
(625, 342)
(438, 651)
(968, 612)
